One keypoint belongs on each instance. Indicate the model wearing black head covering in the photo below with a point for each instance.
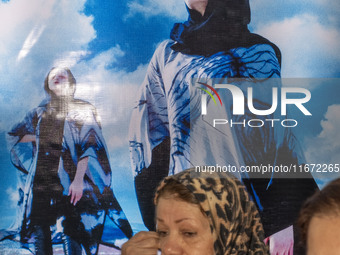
(223, 26)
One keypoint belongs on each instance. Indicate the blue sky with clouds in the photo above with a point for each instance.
(107, 44)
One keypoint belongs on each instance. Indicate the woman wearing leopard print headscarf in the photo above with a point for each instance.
(202, 214)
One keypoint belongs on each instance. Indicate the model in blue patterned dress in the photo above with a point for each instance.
(66, 175)
(214, 43)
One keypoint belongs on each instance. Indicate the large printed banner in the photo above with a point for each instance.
(133, 100)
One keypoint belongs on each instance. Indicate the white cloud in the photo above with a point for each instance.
(13, 196)
(69, 59)
(148, 8)
(325, 148)
(309, 49)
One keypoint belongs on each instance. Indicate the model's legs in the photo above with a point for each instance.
(43, 243)
(147, 181)
(41, 220)
(72, 230)
(71, 246)
(75, 239)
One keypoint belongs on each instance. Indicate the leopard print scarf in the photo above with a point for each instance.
(233, 217)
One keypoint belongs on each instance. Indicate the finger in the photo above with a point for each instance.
(145, 240)
(139, 251)
(128, 249)
(144, 235)
(75, 200)
(143, 243)
(266, 240)
(78, 197)
(73, 196)
(150, 242)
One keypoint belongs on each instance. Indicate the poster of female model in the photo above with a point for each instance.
(95, 112)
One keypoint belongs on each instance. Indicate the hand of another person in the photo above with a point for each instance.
(282, 242)
(143, 243)
(76, 191)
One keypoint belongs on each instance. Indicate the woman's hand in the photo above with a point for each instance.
(76, 191)
(143, 243)
(77, 186)
(282, 243)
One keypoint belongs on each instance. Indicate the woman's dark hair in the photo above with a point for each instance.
(324, 203)
(71, 80)
(176, 190)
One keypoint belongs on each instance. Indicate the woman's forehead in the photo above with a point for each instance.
(58, 71)
(178, 210)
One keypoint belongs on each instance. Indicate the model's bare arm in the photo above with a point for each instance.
(77, 185)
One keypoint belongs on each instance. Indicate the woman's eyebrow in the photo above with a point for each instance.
(176, 221)
(184, 219)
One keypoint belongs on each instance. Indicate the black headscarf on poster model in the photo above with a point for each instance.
(223, 26)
